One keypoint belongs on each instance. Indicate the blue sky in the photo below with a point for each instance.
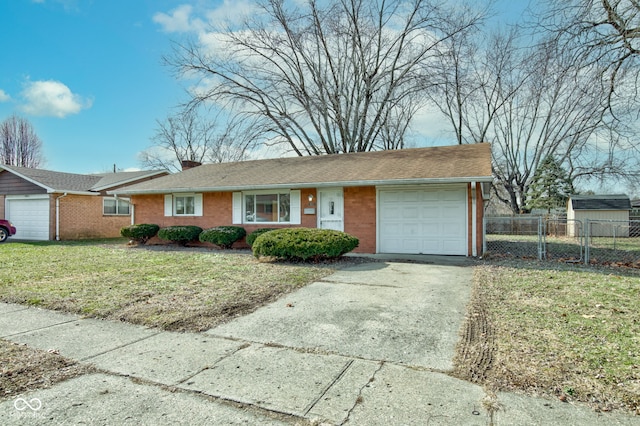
(88, 74)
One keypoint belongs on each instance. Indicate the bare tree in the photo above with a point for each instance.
(327, 77)
(19, 143)
(530, 103)
(188, 136)
(606, 32)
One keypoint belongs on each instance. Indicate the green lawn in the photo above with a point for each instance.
(569, 332)
(187, 290)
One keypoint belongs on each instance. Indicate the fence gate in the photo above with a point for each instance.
(563, 240)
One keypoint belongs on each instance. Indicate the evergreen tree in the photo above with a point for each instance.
(551, 186)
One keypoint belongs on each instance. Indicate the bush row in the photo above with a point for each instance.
(285, 243)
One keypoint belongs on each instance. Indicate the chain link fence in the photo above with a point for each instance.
(517, 236)
(613, 242)
(559, 239)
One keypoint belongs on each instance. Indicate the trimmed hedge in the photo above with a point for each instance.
(140, 233)
(304, 243)
(255, 234)
(223, 236)
(180, 234)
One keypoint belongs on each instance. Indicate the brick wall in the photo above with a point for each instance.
(360, 216)
(359, 204)
(81, 216)
(477, 238)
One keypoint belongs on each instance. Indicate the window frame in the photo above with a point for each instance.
(117, 200)
(186, 204)
(239, 210)
(171, 201)
(278, 202)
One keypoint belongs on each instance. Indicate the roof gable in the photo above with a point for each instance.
(600, 202)
(77, 183)
(459, 163)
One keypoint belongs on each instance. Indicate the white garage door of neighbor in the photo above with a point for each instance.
(30, 217)
(423, 221)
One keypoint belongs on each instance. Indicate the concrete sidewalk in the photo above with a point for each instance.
(368, 345)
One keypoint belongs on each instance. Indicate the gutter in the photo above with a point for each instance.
(58, 215)
(304, 185)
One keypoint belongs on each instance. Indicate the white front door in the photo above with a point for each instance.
(331, 209)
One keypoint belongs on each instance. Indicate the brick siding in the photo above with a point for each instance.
(360, 216)
(81, 216)
(218, 206)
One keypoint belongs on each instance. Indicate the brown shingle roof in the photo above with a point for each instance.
(71, 182)
(459, 163)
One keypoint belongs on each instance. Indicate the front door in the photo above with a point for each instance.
(331, 206)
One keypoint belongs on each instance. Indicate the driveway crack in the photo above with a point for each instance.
(359, 398)
(340, 375)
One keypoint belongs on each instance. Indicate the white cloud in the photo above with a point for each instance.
(231, 12)
(4, 97)
(184, 18)
(52, 98)
(179, 20)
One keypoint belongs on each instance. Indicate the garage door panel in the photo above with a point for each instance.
(423, 220)
(30, 216)
(429, 196)
(431, 212)
(411, 212)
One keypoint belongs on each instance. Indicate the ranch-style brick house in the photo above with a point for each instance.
(420, 201)
(48, 205)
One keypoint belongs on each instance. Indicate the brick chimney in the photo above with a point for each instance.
(188, 164)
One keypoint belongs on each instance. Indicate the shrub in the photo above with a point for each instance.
(255, 234)
(304, 243)
(180, 234)
(140, 233)
(223, 236)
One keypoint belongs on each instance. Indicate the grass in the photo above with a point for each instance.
(180, 290)
(563, 331)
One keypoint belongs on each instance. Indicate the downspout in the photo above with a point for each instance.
(474, 220)
(58, 216)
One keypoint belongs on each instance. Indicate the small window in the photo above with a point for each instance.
(185, 205)
(116, 206)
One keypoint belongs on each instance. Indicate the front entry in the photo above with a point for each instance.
(330, 209)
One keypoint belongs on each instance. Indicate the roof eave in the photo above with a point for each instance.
(28, 179)
(64, 191)
(302, 185)
(127, 181)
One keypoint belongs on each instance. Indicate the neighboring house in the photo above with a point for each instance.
(424, 200)
(603, 208)
(46, 205)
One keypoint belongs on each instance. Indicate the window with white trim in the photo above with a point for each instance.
(267, 207)
(183, 205)
(116, 206)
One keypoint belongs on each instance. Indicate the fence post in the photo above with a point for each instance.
(586, 231)
(541, 236)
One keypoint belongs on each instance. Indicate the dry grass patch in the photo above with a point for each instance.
(568, 332)
(167, 287)
(180, 290)
(24, 369)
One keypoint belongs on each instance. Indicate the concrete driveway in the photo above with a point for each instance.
(405, 313)
(368, 345)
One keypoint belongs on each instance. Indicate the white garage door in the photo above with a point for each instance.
(30, 217)
(423, 220)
